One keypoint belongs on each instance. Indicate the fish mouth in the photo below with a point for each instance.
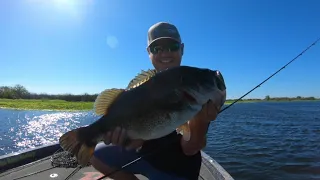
(200, 96)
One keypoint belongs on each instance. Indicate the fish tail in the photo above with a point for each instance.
(79, 142)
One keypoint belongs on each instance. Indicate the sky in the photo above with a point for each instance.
(72, 46)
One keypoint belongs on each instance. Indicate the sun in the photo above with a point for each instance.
(74, 10)
(72, 7)
(67, 5)
(64, 3)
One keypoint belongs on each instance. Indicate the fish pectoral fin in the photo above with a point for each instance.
(84, 155)
(105, 99)
(184, 129)
(77, 146)
(141, 78)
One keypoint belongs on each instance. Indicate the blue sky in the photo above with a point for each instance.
(71, 46)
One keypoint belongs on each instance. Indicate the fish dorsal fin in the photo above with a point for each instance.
(105, 99)
(141, 78)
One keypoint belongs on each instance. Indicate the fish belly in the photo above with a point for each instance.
(163, 125)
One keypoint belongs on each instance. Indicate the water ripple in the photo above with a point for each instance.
(268, 141)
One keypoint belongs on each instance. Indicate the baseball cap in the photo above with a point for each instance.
(163, 30)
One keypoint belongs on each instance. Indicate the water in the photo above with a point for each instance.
(250, 140)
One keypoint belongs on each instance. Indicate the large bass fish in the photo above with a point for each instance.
(154, 105)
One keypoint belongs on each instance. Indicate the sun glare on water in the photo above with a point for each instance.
(47, 128)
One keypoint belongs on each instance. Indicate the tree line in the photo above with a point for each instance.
(268, 98)
(20, 92)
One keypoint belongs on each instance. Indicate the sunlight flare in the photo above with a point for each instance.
(75, 8)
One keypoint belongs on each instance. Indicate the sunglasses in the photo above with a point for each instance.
(172, 47)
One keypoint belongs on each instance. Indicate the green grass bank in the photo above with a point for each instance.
(46, 104)
(35, 104)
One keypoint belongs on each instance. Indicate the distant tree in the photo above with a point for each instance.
(5, 92)
(20, 91)
(267, 98)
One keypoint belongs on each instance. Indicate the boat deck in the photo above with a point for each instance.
(42, 169)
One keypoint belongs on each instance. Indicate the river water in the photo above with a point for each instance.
(250, 140)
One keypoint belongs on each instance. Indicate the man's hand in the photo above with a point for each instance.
(211, 110)
(199, 125)
(119, 136)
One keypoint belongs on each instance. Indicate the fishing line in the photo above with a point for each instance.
(314, 43)
(153, 152)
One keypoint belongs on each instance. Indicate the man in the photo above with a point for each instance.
(178, 159)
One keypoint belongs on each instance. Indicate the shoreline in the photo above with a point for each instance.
(57, 110)
(45, 105)
(69, 106)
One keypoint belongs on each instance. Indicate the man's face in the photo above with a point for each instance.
(165, 53)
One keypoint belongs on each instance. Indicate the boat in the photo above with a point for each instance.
(42, 163)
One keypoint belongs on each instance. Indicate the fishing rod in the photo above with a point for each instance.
(314, 43)
(153, 152)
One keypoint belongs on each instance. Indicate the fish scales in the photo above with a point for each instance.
(146, 111)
